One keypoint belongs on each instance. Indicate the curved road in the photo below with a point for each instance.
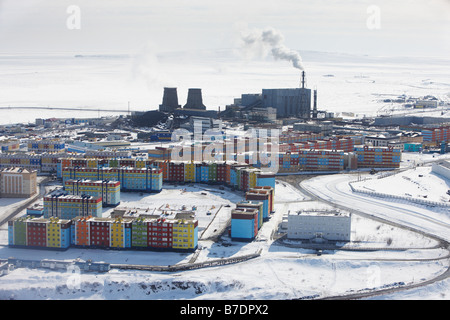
(334, 190)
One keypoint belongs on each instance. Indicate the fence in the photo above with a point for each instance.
(391, 196)
(189, 266)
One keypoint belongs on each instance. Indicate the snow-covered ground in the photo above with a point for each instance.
(281, 272)
(352, 83)
(417, 183)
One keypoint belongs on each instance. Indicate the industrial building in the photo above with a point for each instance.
(194, 100)
(17, 182)
(170, 100)
(194, 105)
(319, 225)
(292, 102)
(288, 102)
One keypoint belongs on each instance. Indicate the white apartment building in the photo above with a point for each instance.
(331, 225)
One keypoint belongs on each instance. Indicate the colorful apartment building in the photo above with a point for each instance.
(160, 153)
(62, 205)
(266, 189)
(58, 233)
(244, 224)
(118, 233)
(311, 160)
(139, 232)
(436, 134)
(378, 157)
(189, 172)
(81, 231)
(184, 234)
(17, 231)
(109, 191)
(46, 145)
(36, 234)
(263, 196)
(130, 179)
(258, 205)
(26, 161)
(9, 145)
(99, 232)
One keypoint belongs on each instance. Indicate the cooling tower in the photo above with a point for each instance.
(194, 100)
(170, 100)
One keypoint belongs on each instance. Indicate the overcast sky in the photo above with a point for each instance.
(403, 27)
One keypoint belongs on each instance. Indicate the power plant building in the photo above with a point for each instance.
(170, 100)
(194, 100)
(293, 102)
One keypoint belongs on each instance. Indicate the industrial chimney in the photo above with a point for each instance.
(303, 80)
(194, 100)
(314, 115)
(170, 100)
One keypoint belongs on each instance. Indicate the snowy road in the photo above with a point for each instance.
(335, 189)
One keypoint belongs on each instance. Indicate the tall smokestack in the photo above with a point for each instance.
(303, 80)
(195, 100)
(314, 115)
(170, 100)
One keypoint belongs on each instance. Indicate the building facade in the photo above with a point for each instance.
(109, 191)
(65, 206)
(17, 182)
(130, 179)
(292, 102)
(378, 157)
(320, 225)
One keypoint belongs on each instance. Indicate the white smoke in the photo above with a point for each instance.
(260, 42)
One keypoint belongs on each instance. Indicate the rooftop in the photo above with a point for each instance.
(322, 212)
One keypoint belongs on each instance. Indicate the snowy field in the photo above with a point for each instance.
(351, 83)
(417, 183)
(281, 272)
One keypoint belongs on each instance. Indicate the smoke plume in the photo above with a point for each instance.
(260, 42)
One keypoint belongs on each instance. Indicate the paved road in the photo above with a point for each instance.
(412, 218)
(41, 187)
